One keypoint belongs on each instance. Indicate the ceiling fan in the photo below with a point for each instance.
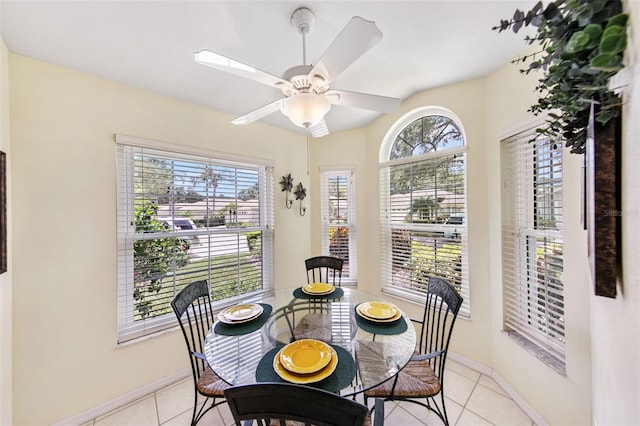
(306, 88)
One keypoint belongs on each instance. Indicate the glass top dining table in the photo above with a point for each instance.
(368, 352)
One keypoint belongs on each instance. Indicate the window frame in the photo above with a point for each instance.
(351, 276)
(520, 225)
(385, 165)
(129, 329)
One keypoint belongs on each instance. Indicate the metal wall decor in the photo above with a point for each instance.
(301, 194)
(287, 185)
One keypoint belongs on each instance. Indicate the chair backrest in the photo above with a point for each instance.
(287, 401)
(324, 269)
(440, 313)
(192, 306)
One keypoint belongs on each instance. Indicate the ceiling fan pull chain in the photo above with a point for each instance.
(308, 159)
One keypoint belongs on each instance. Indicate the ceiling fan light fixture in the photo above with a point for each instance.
(305, 109)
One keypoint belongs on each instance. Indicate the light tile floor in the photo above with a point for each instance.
(471, 397)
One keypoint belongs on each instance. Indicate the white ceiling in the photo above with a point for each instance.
(150, 45)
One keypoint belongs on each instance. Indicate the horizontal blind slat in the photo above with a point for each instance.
(183, 218)
(533, 296)
(424, 229)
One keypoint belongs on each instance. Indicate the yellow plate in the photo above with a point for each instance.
(393, 318)
(305, 356)
(305, 378)
(240, 313)
(378, 310)
(318, 288)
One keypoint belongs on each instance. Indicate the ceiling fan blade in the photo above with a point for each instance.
(222, 63)
(358, 36)
(363, 100)
(259, 113)
(319, 130)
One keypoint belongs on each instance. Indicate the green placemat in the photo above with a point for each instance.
(299, 294)
(245, 327)
(398, 326)
(341, 377)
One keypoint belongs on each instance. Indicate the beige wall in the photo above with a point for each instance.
(486, 108)
(64, 313)
(5, 279)
(64, 233)
(466, 100)
(560, 399)
(615, 323)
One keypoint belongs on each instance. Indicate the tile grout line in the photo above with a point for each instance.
(473, 390)
(155, 400)
(464, 406)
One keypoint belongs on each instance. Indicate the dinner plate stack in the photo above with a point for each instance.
(239, 314)
(378, 311)
(305, 361)
(318, 289)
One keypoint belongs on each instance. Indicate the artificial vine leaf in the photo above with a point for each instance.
(582, 45)
(605, 62)
(619, 20)
(577, 42)
(593, 30)
(613, 44)
(551, 11)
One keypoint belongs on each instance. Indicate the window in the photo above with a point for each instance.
(532, 243)
(185, 217)
(423, 205)
(337, 192)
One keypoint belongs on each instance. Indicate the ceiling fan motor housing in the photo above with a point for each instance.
(303, 82)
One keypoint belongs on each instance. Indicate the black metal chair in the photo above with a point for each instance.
(192, 306)
(423, 376)
(284, 403)
(324, 269)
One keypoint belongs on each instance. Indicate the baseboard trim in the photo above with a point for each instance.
(513, 394)
(123, 400)
(472, 364)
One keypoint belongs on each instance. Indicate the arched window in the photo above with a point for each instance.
(423, 203)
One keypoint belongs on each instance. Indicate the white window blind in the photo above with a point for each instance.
(338, 209)
(532, 241)
(424, 224)
(183, 218)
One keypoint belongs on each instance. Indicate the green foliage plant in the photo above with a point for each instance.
(424, 210)
(153, 258)
(582, 44)
(431, 260)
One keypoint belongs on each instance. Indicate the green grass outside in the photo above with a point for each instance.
(228, 276)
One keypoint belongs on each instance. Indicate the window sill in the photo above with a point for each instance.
(543, 355)
(418, 300)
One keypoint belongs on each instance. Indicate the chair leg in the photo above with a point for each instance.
(444, 409)
(198, 414)
(195, 408)
(378, 410)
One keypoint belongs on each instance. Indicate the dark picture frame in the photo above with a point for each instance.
(604, 210)
(3, 212)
